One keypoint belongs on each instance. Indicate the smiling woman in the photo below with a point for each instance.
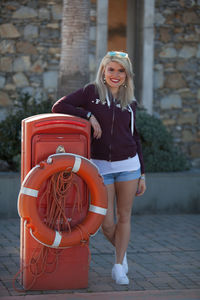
(110, 107)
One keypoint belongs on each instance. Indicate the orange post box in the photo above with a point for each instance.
(44, 268)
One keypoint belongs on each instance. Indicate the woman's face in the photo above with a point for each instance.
(115, 75)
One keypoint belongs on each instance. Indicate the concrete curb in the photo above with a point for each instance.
(176, 192)
(140, 295)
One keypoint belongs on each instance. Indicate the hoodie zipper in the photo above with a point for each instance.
(112, 126)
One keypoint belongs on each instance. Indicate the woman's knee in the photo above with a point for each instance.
(124, 217)
(108, 228)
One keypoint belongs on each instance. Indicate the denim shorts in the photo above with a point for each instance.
(121, 176)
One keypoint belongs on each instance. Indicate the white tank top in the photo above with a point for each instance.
(107, 167)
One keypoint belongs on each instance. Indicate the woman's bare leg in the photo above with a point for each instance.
(108, 225)
(125, 192)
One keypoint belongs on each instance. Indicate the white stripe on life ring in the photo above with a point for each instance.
(57, 240)
(29, 192)
(98, 210)
(77, 164)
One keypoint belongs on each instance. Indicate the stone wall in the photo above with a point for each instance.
(30, 43)
(177, 72)
(29, 48)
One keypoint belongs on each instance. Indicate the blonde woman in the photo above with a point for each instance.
(110, 107)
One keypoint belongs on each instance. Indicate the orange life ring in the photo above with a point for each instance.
(27, 200)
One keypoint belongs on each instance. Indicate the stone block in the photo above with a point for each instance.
(198, 94)
(20, 80)
(26, 48)
(187, 52)
(169, 122)
(22, 63)
(195, 150)
(175, 80)
(187, 136)
(190, 17)
(46, 33)
(165, 35)
(198, 52)
(2, 81)
(7, 46)
(57, 12)
(159, 19)
(41, 49)
(44, 13)
(188, 118)
(25, 12)
(10, 87)
(9, 31)
(171, 101)
(178, 29)
(192, 37)
(6, 64)
(30, 31)
(54, 51)
(158, 76)
(52, 25)
(4, 99)
(38, 66)
(186, 65)
(168, 52)
(50, 79)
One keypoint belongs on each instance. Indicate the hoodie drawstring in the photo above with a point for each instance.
(132, 119)
(107, 99)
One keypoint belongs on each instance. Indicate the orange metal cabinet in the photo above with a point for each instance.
(56, 268)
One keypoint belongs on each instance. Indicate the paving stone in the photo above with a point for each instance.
(163, 254)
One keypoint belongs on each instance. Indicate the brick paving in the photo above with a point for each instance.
(163, 257)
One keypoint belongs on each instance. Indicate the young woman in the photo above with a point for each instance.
(110, 106)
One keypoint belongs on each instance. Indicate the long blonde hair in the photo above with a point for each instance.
(126, 91)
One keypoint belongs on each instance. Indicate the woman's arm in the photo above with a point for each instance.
(73, 103)
(141, 182)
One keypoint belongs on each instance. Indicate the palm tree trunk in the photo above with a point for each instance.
(74, 62)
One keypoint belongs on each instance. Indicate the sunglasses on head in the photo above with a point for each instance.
(117, 53)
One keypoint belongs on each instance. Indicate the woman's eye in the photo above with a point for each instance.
(111, 69)
(121, 70)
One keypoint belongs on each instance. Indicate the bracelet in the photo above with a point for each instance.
(89, 114)
(142, 177)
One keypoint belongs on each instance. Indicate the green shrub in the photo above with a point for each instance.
(159, 151)
(10, 128)
(160, 154)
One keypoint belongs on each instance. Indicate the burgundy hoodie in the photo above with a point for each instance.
(118, 141)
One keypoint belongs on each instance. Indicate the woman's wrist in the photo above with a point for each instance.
(142, 177)
(89, 114)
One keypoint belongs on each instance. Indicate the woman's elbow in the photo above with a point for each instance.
(56, 108)
(53, 109)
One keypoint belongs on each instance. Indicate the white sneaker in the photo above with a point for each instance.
(119, 275)
(125, 264)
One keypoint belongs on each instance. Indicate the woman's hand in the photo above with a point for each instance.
(141, 187)
(96, 127)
